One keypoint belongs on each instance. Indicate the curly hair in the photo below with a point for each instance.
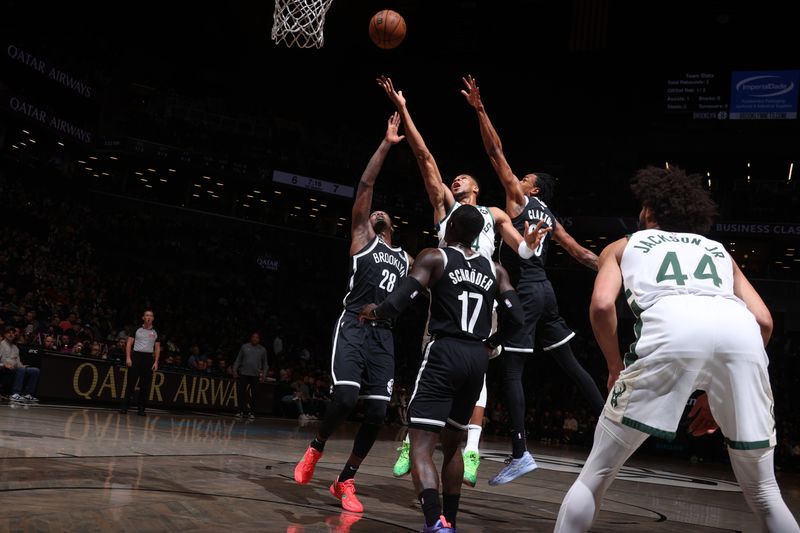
(547, 186)
(678, 201)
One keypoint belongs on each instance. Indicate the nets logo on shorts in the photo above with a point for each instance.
(390, 386)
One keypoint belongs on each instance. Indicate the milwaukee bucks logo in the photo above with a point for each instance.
(619, 388)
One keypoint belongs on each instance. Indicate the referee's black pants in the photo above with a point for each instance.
(245, 383)
(141, 369)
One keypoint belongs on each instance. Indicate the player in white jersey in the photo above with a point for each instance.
(463, 190)
(701, 325)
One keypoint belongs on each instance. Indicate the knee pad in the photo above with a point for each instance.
(345, 396)
(374, 412)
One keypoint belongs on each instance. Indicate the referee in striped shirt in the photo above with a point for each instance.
(141, 358)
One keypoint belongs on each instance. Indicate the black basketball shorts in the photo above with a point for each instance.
(543, 324)
(363, 357)
(448, 384)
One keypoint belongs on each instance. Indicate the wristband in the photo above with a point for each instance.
(524, 251)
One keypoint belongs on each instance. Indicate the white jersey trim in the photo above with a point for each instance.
(427, 421)
(521, 350)
(373, 397)
(456, 424)
(333, 354)
(562, 342)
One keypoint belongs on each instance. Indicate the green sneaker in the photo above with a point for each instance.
(471, 463)
(403, 464)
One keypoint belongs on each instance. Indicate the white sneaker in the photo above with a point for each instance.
(302, 416)
(17, 398)
(251, 417)
(514, 468)
(30, 399)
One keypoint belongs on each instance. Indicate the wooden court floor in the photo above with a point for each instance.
(84, 469)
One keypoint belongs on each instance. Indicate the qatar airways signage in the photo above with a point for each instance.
(40, 65)
(48, 118)
(764, 94)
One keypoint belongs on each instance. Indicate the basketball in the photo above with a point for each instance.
(387, 29)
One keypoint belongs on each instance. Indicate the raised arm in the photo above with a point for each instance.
(515, 198)
(582, 255)
(361, 230)
(512, 237)
(744, 290)
(440, 196)
(603, 310)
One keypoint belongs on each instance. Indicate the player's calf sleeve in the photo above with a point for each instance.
(344, 399)
(577, 510)
(613, 444)
(755, 473)
(566, 359)
(375, 413)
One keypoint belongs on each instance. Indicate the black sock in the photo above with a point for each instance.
(348, 472)
(429, 498)
(318, 445)
(518, 446)
(450, 507)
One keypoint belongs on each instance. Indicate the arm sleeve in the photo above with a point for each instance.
(510, 319)
(400, 299)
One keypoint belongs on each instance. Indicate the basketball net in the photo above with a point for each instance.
(299, 22)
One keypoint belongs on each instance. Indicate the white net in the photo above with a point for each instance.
(300, 22)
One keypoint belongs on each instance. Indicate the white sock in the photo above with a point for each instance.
(756, 476)
(473, 438)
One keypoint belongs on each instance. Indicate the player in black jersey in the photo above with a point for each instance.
(525, 202)
(463, 190)
(463, 286)
(362, 363)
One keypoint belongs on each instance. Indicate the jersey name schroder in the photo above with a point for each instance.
(471, 276)
(462, 299)
(658, 263)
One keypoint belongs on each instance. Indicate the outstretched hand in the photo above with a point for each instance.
(703, 422)
(472, 93)
(533, 238)
(391, 129)
(396, 97)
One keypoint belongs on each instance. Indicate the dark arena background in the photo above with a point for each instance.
(170, 156)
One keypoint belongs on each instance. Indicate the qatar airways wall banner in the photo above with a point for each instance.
(764, 95)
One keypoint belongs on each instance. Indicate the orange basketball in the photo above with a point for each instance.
(387, 28)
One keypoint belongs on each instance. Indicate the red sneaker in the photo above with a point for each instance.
(305, 468)
(346, 492)
(343, 522)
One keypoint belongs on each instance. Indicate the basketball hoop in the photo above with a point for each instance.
(299, 22)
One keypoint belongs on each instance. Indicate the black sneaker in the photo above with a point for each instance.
(141, 412)
(124, 411)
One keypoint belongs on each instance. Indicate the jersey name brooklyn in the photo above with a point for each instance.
(374, 273)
